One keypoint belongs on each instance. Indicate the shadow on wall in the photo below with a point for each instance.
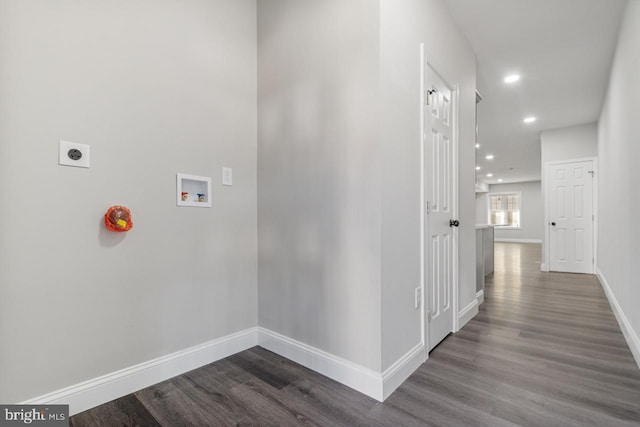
(109, 239)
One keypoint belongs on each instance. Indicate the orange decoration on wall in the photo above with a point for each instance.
(118, 219)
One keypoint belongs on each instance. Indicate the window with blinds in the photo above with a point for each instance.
(504, 210)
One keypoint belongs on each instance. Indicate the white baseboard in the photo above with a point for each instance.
(367, 381)
(106, 388)
(396, 374)
(627, 330)
(357, 377)
(467, 313)
(480, 297)
(97, 391)
(499, 239)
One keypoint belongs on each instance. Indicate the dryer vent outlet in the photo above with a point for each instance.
(73, 154)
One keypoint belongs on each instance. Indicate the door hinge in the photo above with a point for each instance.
(428, 207)
(429, 316)
(427, 96)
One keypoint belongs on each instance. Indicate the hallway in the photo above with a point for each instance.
(545, 350)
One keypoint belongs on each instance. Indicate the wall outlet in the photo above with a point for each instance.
(418, 298)
(73, 154)
(227, 176)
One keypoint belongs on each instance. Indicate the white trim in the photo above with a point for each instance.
(456, 208)
(480, 297)
(500, 239)
(546, 261)
(364, 380)
(595, 214)
(427, 63)
(424, 331)
(194, 203)
(351, 374)
(576, 160)
(627, 330)
(467, 313)
(96, 391)
(396, 374)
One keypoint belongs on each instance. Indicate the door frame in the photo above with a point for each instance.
(545, 266)
(427, 62)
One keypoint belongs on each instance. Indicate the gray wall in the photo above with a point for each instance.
(568, 143)
(319, 175)
(155, 88)
(531, 211)
(163, 87)
(404, 25)
(339, 247)
(619, 175)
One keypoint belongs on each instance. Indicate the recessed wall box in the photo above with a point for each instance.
(193, 191)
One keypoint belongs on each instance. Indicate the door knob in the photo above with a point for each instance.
(553, 223)
(454, 223)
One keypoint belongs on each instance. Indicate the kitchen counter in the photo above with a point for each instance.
(484, 256)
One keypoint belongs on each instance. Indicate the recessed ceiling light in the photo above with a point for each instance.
(500, 180)
(512, 78)
(477, 145)
(529, 120)
(478, 168)
(489, 175)
(489, 157)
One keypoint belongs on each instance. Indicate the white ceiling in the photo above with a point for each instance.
(562, 49)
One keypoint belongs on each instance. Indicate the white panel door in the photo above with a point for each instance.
(571, 217)
(440, 194)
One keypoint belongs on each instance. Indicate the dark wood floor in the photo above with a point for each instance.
(545, 350)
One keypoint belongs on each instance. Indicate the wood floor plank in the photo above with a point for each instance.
(338, 404)
(126, 411)
(178, 403)
(265, 408)
(435, 408)
(271, 374)
(554, 383)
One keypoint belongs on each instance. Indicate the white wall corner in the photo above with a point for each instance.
(627, 330)
(396, 374)
(480, 297)
(359, 378)
(467, 313)
(96, 391)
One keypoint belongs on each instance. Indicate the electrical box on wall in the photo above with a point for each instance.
(73, 154)
(227, 176)
(193, 191)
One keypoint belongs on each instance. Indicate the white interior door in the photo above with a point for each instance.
(440, 193)
(571, 220)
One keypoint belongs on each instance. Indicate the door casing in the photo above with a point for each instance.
(545, 266)
(426, 63)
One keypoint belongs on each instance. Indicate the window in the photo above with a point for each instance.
(504, 209)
